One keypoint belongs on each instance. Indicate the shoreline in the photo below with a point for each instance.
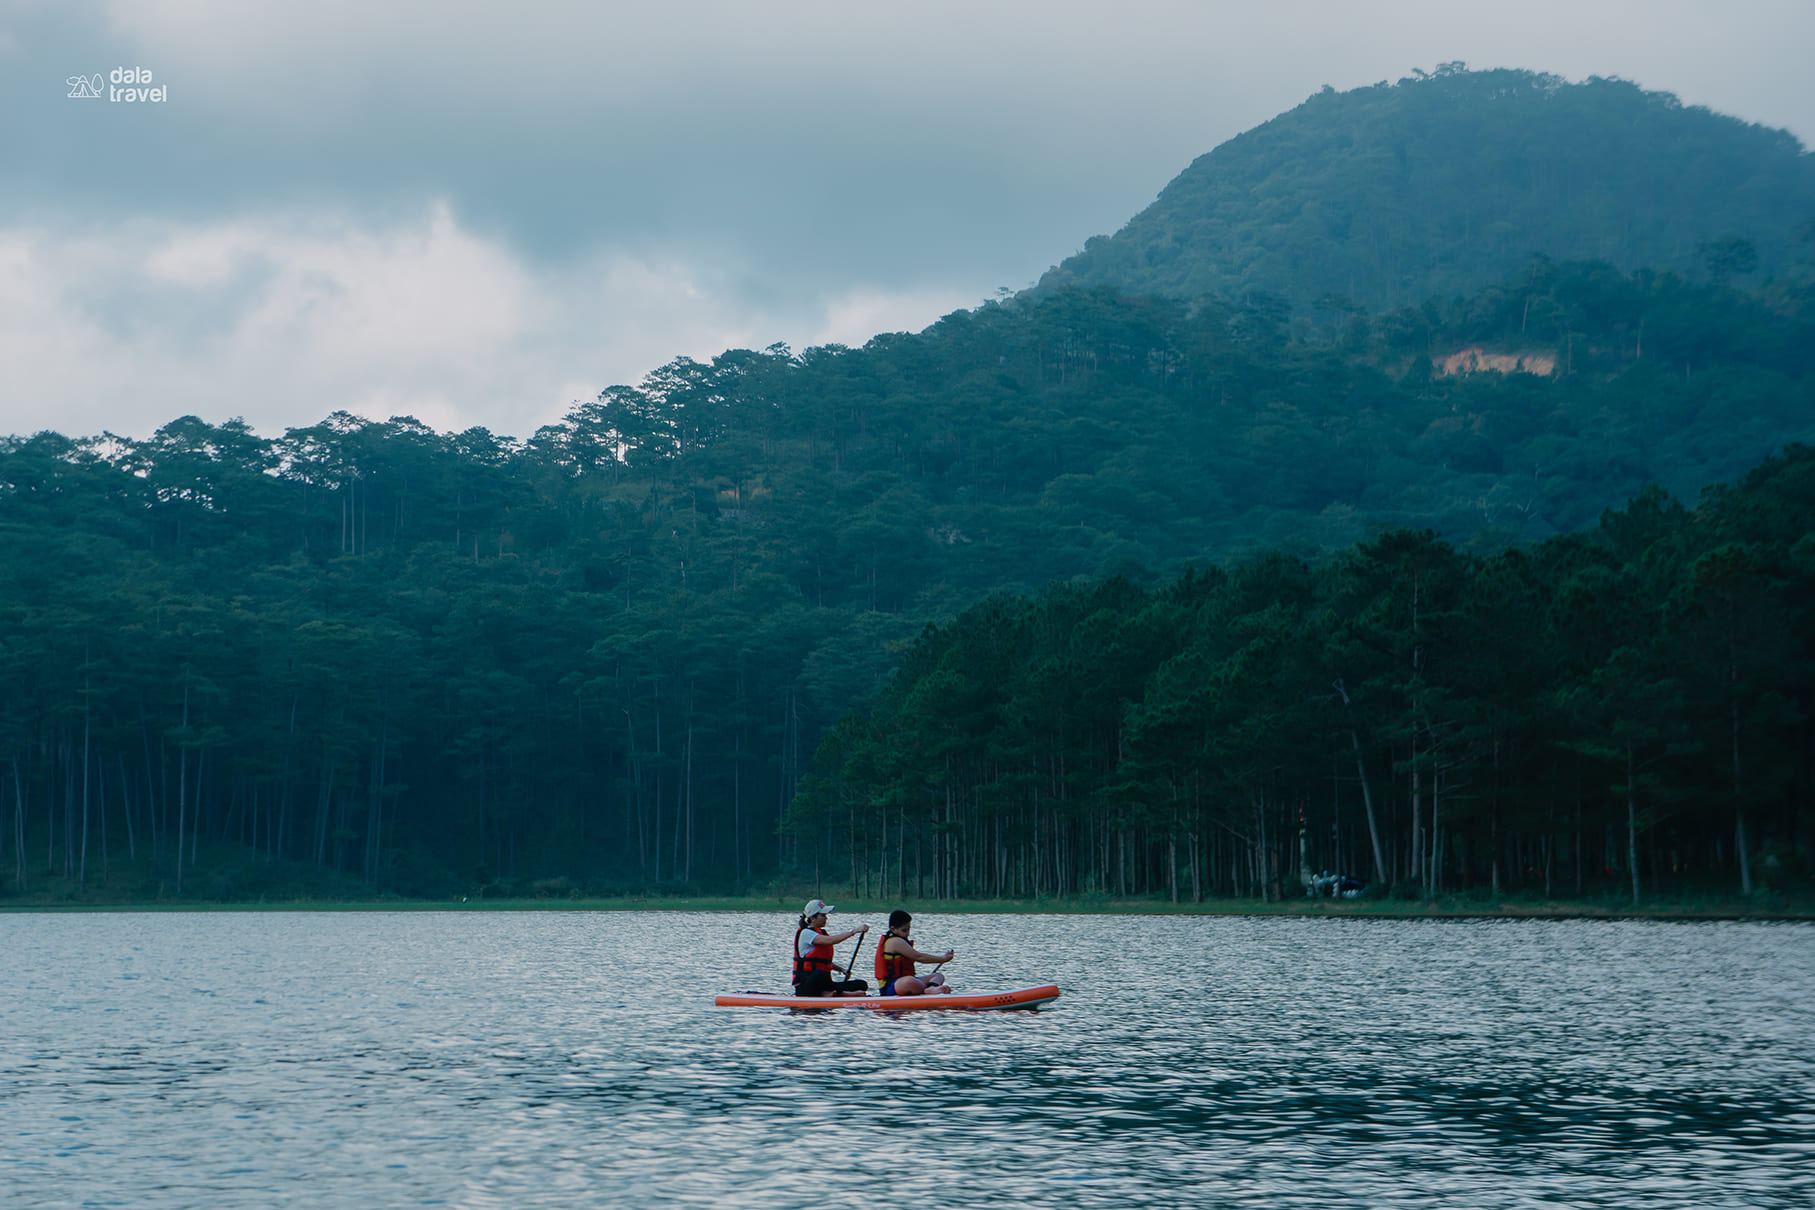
(1770, 907)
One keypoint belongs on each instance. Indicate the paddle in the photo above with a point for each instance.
(929, 978)
(856, 953)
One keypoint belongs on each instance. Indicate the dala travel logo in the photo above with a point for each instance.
(128, 84)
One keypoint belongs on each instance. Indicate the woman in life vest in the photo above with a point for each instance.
(895, 959)
(813, 955)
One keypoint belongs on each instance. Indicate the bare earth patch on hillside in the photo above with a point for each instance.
(1475, 360)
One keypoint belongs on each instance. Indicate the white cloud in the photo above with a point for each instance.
(200, 258)
(283, 320)
(851, 319)
(709, 174)
(392, 303)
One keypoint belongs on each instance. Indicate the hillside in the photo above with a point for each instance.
(437, 662)
(1625, 706)
(1443, 184)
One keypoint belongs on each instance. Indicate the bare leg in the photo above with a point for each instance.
(909, 985)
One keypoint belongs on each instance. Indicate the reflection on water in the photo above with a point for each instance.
(555, 1059)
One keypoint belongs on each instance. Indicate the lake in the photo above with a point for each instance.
(358, 1059)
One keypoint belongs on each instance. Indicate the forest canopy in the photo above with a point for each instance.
(1444, 182)
(1631, 704)
(604, 655)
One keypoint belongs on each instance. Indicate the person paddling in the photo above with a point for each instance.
(813, 955)
(895, 959)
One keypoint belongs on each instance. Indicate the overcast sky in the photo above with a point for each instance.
(478, 213)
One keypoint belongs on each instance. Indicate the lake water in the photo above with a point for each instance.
(575, 1059)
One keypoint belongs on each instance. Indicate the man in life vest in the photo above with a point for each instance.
(814, 955)
(895, 959)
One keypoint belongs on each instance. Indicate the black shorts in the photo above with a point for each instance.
(821, 983)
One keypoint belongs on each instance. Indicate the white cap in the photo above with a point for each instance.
(815, 907)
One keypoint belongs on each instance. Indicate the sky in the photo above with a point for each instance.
(479, 213)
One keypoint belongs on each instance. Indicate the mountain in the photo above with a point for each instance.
(1442, 184)
(373, 657)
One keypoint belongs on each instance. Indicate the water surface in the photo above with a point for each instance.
(572, 1059)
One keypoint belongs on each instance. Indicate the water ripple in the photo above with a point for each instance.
(476, 1060)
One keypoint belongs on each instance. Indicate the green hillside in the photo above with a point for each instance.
(602, 656)
(1629, 706)
(1442, 184)
(372, 655)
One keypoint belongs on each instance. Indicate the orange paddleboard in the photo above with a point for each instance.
(1025, 997)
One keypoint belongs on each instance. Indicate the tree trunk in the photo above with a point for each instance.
(687, 870)
(1304, 856)
(182, 788)
(1367, 794)
(1436, 862)
(375, 821)
(21, 877)
(69, 809)
(1740, 843)
(737, 804)
(132, 845)
(1172, 857)
(82, 866)
(656, 826)
(1550, 847)
(633, 795)
(1632, 827)
(1416, 870)
(1197, 881)
(1581, 859)
(325, 803)
(1493, 821)
(1263, 860)
(151, 784)
(101, 794)
(195, 822)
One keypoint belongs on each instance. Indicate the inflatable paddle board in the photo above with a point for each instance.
(1025, 997)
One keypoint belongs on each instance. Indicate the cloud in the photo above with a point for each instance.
(833, 142)
(478, 213)
(283, 320)
(853, 318)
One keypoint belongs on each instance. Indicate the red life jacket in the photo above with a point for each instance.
(892, 966)
(818, 959)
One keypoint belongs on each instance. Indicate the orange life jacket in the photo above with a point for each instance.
(892, 966)
(817, 959)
